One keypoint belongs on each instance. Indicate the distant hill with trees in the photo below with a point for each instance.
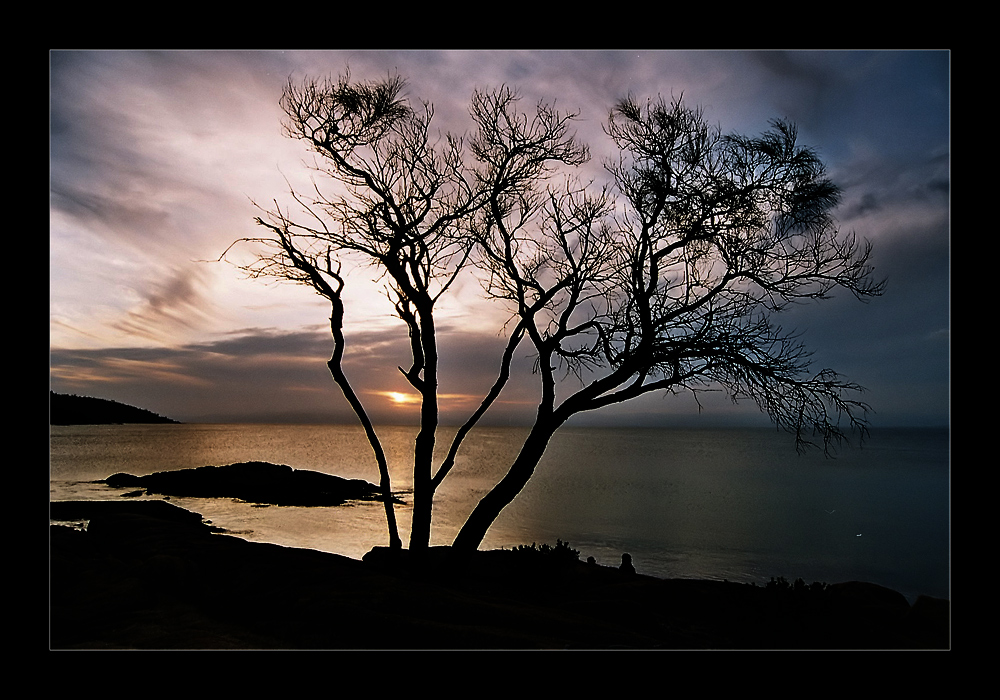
(69, 409)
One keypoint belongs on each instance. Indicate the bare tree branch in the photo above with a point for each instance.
(667, 282)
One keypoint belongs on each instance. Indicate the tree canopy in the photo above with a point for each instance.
(666, 280)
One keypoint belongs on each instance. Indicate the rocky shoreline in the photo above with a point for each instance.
(150, 575)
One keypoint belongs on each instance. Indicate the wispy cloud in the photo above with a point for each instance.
(175, 302)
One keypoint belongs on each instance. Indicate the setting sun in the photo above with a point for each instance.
(400, 397)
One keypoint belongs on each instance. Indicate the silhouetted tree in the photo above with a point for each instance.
(718, 233)
(407, 206)
(673, 293)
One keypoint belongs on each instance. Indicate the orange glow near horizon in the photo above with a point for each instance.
(402, 398)
(399, 397)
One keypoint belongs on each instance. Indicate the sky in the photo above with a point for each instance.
(159, 160)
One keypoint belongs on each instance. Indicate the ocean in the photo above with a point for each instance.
(724, 504)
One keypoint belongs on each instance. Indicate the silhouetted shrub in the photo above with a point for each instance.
(799, 587)
(562, 552)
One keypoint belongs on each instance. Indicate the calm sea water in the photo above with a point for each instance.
(736, 504)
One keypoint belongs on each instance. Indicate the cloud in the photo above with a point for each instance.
(256, 372)
(156, 156)
(170, 304)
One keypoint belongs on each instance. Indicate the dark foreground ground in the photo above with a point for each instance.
(149, 575)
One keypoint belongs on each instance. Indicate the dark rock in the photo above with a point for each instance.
(122, 480)
(162, 511)
(872, 597)
(929, 620)
(254, 482)
(145, 576)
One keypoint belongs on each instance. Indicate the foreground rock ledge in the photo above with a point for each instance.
(149, 575)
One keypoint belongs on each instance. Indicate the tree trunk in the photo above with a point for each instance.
(337, 372)
(488, 509)
(385, 485)
(423, 449)
(423, 495)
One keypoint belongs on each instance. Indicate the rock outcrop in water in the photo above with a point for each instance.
(254, 482)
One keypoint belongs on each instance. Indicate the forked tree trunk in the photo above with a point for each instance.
(489, 508)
